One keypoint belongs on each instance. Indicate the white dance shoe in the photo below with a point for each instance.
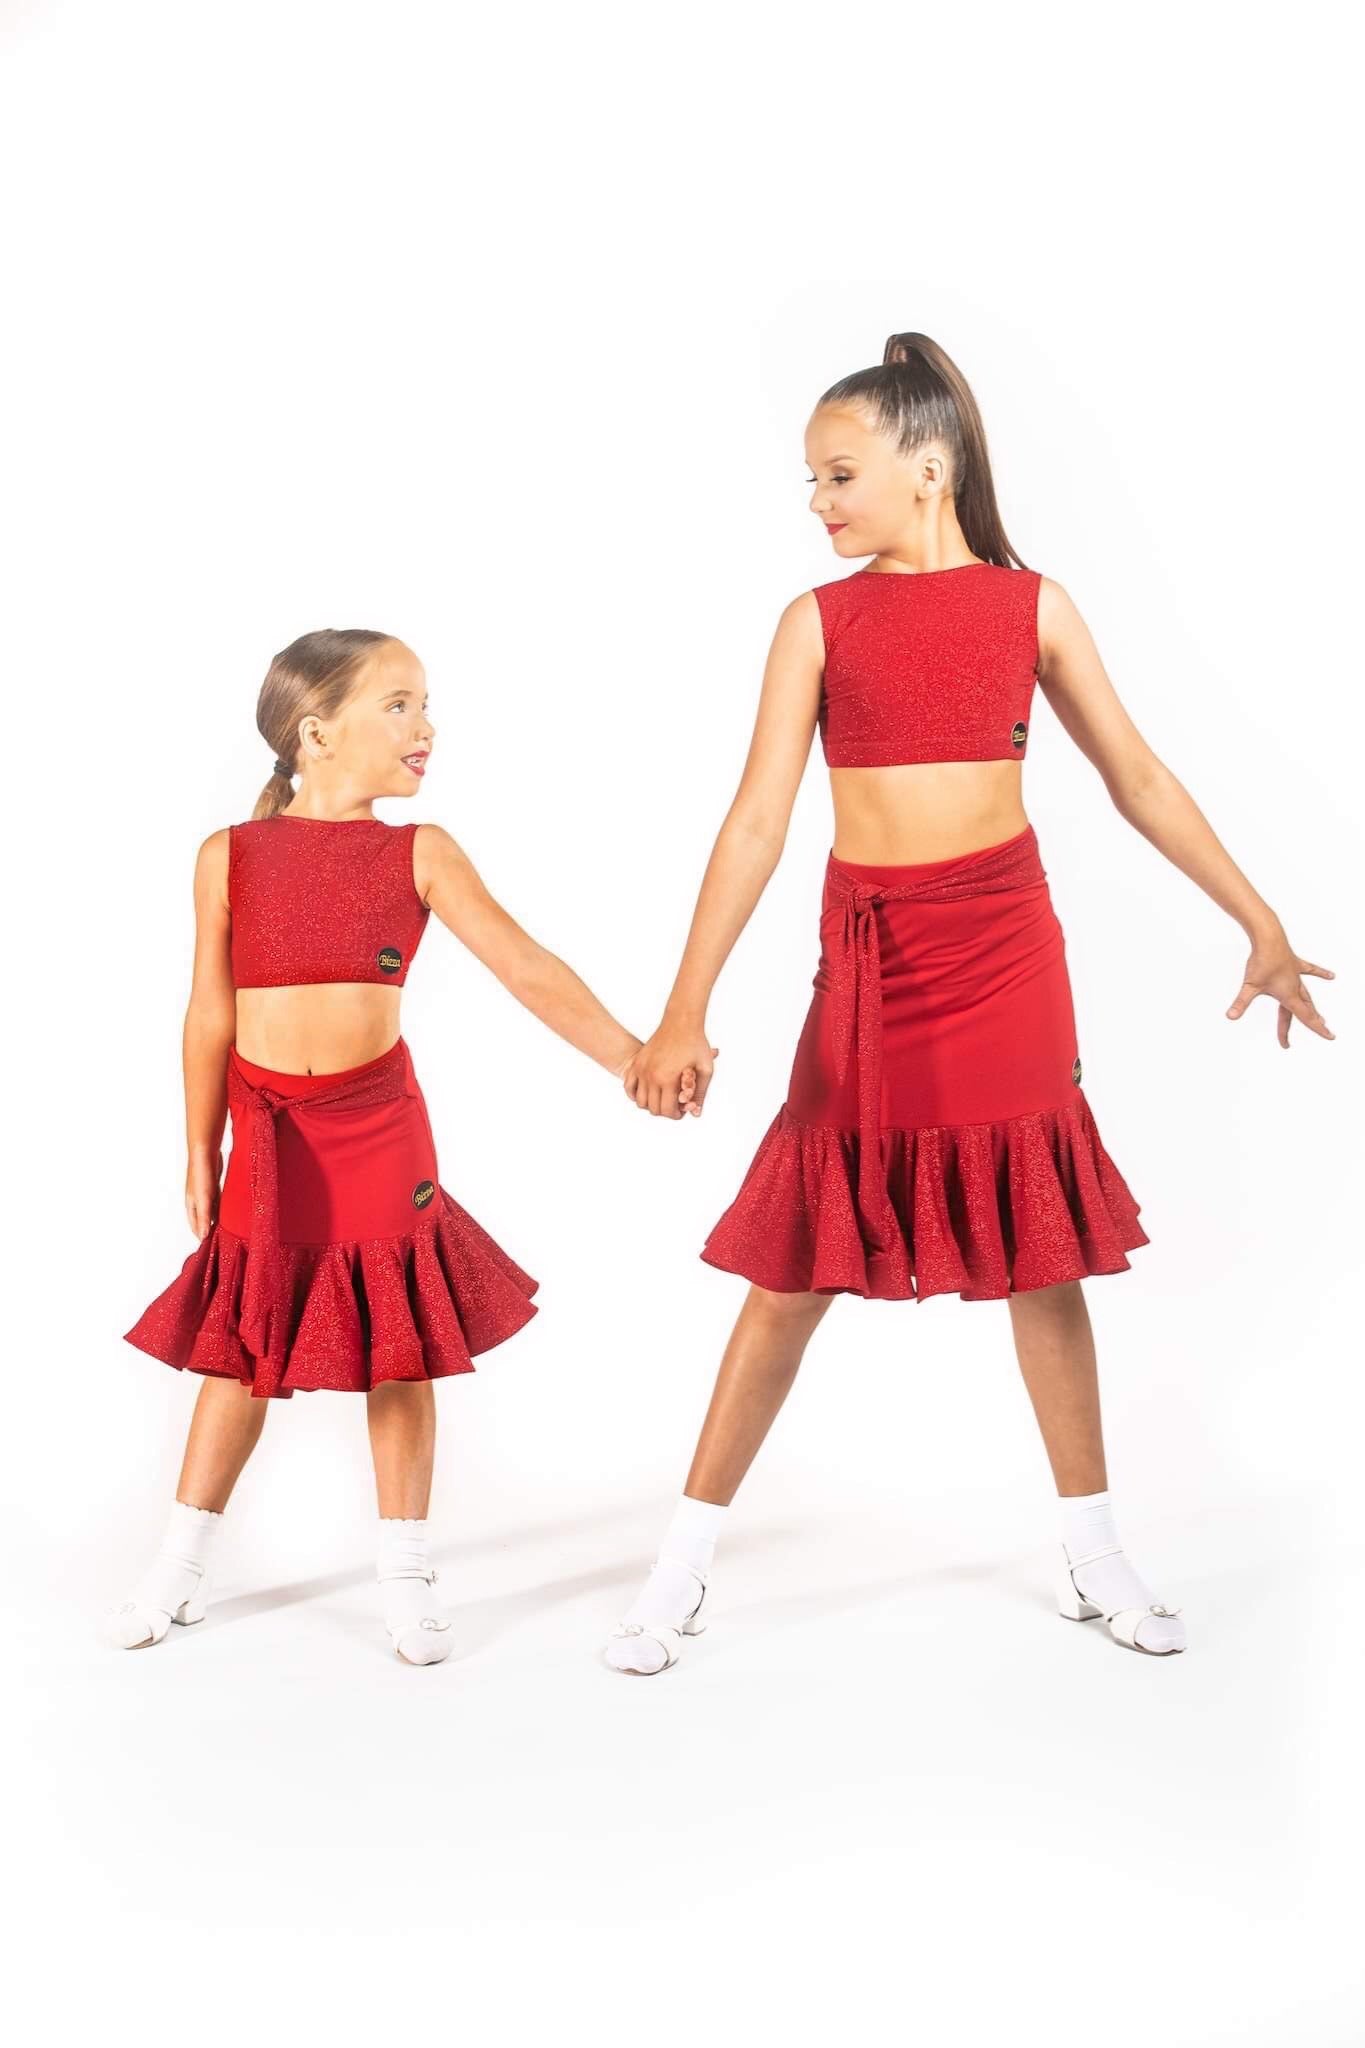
(644, 1647)
(1154, 1628)
(162, 1597)
(419, 1631)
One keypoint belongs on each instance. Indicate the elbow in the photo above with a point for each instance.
(763, 831)
(1137, 786)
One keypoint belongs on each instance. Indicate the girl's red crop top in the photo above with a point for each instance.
(928, 665)
(322, 899)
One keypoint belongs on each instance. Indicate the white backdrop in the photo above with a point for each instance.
(500, 333)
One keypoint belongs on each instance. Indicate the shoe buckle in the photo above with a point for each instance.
(1157, 1608)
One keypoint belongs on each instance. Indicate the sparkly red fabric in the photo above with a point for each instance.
(322, 899)
(337, 1259)
(931, 665)
(935, 1137)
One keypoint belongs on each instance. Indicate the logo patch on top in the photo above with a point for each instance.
(1019, 733)
(423, 1193)
(1076, 1071)
(389, 959)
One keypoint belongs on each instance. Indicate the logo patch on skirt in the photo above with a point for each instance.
(1019, 734)
(423, 1193)
(1076, 1072)
(389, 959)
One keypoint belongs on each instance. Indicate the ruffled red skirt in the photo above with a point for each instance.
(935, 1137)
(337, 1259)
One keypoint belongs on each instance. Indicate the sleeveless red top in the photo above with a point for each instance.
(933, 665)
(322, 899)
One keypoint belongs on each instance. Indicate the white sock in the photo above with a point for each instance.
(670, 1593)
(691, 1534)
(405, 1573)
(1110, 1582)
(172, 1576)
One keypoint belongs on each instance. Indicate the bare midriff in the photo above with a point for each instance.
(926, 810)
(317, 1027)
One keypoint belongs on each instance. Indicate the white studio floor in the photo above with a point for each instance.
(888, 1791)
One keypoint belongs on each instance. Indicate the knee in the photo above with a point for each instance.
(785, 1311)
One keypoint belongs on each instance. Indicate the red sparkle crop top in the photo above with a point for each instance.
(322, 899)
(928, 665)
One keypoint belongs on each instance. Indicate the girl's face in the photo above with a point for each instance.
(381, 737)
(867, 493)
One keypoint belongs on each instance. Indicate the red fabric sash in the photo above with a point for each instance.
(855, 990)
(264, 1316)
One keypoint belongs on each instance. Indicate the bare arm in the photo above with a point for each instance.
(747, 850)
(447, 879)
(210, 1027)
(1145, 792)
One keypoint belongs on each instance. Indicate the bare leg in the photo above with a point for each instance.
(224, 1430)
(1056, 1350)
(756, 1374)
(402, 1421)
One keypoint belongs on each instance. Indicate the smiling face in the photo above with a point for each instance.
(870, 497)
(378, 743)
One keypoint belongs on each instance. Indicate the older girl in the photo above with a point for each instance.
(935, 1136)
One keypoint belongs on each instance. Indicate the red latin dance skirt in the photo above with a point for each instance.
(935, 1138)
(337, 1259)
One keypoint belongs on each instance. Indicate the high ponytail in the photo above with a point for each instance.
(917, 394)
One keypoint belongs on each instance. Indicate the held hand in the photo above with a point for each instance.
(1274, 970)
(671, 1073)
(202, 1178)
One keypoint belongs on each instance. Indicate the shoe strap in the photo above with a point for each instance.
(1074, 1563)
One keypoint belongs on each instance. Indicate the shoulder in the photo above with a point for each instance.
(435, 852)
(211, 865)
(1057, 615)
(214, 851)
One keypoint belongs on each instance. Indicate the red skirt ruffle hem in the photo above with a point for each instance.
(337, 1259)
(935, 1138)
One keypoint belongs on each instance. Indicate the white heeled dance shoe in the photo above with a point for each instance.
(1124, 1623)
(422, 1635)
(625, 1646)
(147, 1617)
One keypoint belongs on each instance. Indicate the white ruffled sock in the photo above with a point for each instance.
(1111, 1582)
(670, 1593)
(419, 1629)
(172, 1579)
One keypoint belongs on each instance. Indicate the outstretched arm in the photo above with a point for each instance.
(447, 879)
(1145, 792)
(747, 849)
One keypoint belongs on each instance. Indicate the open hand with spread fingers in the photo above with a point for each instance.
(1275, 969)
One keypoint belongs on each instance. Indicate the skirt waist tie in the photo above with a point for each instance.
(264, 1315)
(856, 991)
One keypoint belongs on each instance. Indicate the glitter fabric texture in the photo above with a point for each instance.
(935, 1138)
(322, 899)
(336, 1259)
(934, 665)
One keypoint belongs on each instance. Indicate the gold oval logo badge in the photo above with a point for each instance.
(1019, 734)
(423, 1193)
(1076, 1072)
(390, 959)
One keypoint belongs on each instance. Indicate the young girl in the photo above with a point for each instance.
(935, 1136)
(336, 1258)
